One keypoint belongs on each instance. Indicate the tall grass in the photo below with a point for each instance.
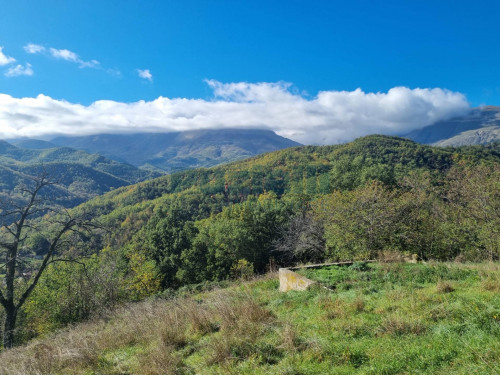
(388, 318)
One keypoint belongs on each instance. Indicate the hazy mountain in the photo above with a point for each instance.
(80, 175)
(480, 136)
(33, 144)
(479, 126)
(180, 150)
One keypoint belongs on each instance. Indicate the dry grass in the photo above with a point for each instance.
(359, 304)
(390, 256)
(169, 325)
(242, 322)
(491, 285)
(71, 350)
(290, 339)
(200, 319)
(444, 287)
(399, 326)
(333, 308)
(162, 360)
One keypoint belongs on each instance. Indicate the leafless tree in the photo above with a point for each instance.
(301, 240)
(15, 228)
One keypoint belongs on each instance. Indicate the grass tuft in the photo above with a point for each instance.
(444, 287)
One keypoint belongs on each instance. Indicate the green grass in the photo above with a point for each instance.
(379, 319)
(373, 276)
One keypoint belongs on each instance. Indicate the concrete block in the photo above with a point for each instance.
(290, 280)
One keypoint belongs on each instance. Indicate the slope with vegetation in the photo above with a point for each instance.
(80, 175)
(387, 318)
(479, 126)
(480, 136)
(352, 201)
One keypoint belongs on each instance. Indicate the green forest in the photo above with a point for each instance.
(79, 175)
(372, 198)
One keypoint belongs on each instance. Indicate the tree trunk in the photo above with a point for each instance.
(9, 327)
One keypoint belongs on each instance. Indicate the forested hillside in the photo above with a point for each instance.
(79, 175)
(376, 196)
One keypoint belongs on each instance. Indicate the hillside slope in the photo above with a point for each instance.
(480, 126)
(300, 172)
(306, 204)
(175, 151)
(482, 136)
(307, 169)
(80, 175)
(381, 319)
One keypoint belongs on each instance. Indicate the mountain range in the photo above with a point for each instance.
(79, 175)
(297, 172)
(170, 152)
(87, 166)
(480, 126)
(91, 165)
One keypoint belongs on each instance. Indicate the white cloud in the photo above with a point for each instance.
(71, 56)
(19, 70)
(89, 64)
(146, 74)
(62, 54)
(329, 117)
(4, 59)
(34, 48)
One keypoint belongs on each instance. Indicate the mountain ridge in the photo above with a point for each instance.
(79, 175)
(170, 152)
(480, 126)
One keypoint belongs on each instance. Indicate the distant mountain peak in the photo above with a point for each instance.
(489, 108)
(481, 125)
(32, 144)
(175, 151)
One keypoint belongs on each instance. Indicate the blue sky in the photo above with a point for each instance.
(94, 50)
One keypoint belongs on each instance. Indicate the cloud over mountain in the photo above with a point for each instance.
(329, 117)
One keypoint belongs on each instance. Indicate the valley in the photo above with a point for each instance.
(79, 175)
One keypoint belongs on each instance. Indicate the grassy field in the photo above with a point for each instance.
(390, 318)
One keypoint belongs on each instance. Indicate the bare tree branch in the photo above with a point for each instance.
(14, 236)
(8, 230)
(45, 261)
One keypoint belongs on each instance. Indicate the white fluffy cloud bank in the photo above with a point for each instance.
(329, 117)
